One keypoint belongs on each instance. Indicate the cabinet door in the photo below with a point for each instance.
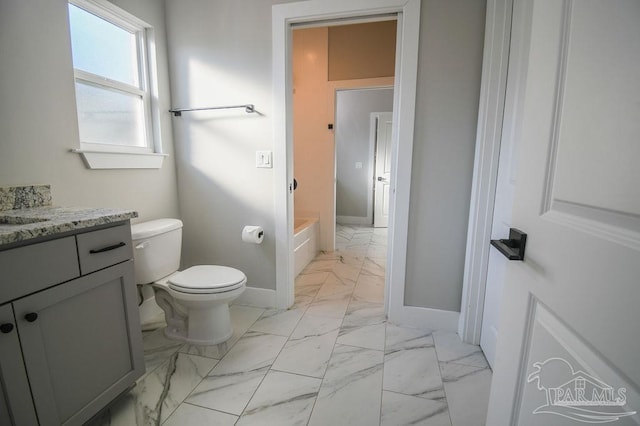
(16, 406)
(81, 343)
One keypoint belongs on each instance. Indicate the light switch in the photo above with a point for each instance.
(264, 159)
(358, 165)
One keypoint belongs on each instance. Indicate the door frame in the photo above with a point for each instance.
(485, 173)
(283, 17)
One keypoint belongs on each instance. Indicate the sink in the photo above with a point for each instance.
(20, 220)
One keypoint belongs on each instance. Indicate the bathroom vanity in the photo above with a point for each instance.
(70, 338)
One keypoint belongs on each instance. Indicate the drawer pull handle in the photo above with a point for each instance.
(31, 316)
(6, 328)
(108, 248)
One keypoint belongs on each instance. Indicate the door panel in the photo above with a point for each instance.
(570, 309)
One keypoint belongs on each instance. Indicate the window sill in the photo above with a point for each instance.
(120, 160)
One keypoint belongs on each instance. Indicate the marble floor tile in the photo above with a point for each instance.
(242, 317)
(332, 305)
(281, 399)
(398, 337)
(320, 265)
(374, 266)
(364, 325)
(354, 259)
(187, 414)
(467, 390)
(230, 385)
(157, 348)
(327, 255)
(334, 286)
(308, 290)
(411, 365)
(159, 393)
(347, 272)
(310, 278)
(301, 301)
(228, 392)
(376, 252)
(401, 410)
(309, 347)
(278, 321)
(331, 359)
(369, 288)
(451, 349)
(351, 389)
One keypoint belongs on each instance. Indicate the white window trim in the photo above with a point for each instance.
(102, 156)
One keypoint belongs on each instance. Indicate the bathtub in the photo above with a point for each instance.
(305, 242)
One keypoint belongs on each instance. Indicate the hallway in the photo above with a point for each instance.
(332, 359)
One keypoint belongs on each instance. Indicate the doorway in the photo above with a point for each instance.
(286, 15)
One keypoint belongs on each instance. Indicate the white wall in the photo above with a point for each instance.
(220, 53)
(38, 124)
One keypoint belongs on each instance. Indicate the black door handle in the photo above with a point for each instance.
(513, 248)
(6, 328)
(31, 316)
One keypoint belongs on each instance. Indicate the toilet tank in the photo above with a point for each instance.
(156, 249)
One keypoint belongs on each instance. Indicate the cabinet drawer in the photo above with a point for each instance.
(103, 248)
(32, 268)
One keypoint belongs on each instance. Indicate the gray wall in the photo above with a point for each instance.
(220, 52)
(353, 112)
(38, 124)
(449, 68)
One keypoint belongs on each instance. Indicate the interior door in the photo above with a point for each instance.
(505, 187)
(569, 346)
(382, 177)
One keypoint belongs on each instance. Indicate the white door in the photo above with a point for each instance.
(382, 174)
(505, 187)
(569, 346)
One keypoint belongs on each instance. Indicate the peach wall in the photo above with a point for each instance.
(313, 110)
(362, 50)
(313, 142)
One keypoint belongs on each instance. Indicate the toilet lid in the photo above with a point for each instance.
(207, 278)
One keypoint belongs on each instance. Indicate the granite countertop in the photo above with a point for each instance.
(26, 213)
(24, 224)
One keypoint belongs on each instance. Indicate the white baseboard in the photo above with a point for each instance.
(353, 220)
(257, 297)
(417, 317)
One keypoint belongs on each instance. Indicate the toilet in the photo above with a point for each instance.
(195, 301)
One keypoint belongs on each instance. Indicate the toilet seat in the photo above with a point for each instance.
(207, 279)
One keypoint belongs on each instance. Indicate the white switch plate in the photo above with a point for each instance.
(358, 165)
(264, 159)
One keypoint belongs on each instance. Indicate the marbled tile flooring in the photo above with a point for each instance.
(332, 359)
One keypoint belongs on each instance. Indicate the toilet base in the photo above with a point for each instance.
(171, 334)
(204, 327)
(201, 319)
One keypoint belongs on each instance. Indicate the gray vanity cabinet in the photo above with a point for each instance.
(16, 405)
(78, 342)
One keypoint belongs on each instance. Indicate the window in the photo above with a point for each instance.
(112, 83)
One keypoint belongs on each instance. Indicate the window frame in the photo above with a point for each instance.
(109, 156)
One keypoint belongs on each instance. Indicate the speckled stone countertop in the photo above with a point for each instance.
(26, 213)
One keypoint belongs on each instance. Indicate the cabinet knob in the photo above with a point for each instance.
(6, 328)
(31, 316)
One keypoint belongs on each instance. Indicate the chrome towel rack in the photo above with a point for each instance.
(177, 112)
